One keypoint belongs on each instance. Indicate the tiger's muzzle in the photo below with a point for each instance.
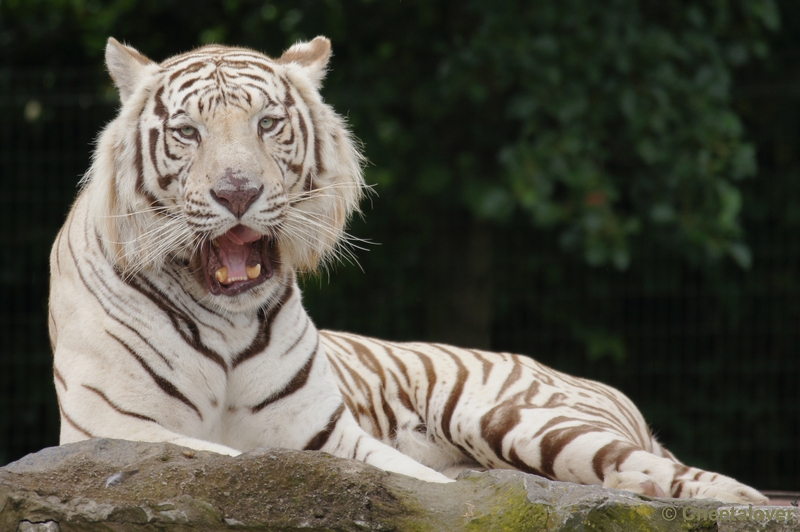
(242, 258)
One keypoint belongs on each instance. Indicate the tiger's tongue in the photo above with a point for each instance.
(234, 250)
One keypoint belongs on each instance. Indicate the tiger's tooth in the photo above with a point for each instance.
(215, 242)
(222, 274)
(253, 271)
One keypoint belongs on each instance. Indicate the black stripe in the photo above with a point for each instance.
(495, 426)
(372, 363)
(397, 360)
(615, 452)
(118, 409)
(340, 374)
(166, 386)
(254, 61)
(355, 449)
(248, 75)
(52, 322)
(196, 302)
(188, 83)
(367, 391)
(430, 377)
(629, 416)
(181, 321)
(297, 382)
(299, 336)
(318, 442)
(139, 162)
(554, 441)
(222, 54)
(98, 277)
(70, 421)
(487, 365)
(265, 319)
(101, 301)
(57, 247)
(163, 180)
(513, 376)
(194, 67)
(58, 377)
(317, 150)
(454, 397)
(159, 108)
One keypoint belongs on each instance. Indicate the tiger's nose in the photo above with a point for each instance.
(236, 193)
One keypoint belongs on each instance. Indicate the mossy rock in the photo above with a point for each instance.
(115, 485)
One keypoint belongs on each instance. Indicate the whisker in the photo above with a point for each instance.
(340, 252)
(330, 230)
(169, 210)
(361, 190)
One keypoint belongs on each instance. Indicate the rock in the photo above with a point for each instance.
(115, 485)
(49, 526)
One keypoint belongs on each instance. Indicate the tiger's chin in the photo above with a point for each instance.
(238, 261)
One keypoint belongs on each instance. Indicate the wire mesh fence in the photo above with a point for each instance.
(709, 354)
(47, 121)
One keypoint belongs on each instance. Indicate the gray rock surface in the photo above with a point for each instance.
(112, 485)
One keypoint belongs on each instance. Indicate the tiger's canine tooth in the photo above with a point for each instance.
(222, 274)
(253, 271)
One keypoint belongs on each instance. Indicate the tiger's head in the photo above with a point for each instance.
(227, 161)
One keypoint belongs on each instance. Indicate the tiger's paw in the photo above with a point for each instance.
(721, 488)
(429, 475)
(724, 489)
(634, 481)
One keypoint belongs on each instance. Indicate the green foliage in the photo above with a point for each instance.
(601, 121)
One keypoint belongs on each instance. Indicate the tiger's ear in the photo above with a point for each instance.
(125, 65)
(312, 57)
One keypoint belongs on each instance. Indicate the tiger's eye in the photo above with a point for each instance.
(266, 123)
(188, 131)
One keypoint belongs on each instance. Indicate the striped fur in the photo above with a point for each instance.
(175, 315)
(453, 409)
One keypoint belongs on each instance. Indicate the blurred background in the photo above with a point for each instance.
(610, 187)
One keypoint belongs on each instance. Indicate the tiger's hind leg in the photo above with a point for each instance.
(596, 452)
(637, 470)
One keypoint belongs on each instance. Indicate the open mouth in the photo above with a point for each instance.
(237, 261)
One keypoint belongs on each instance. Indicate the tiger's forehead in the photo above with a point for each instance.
(215, 76)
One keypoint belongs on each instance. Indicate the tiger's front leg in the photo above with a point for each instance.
(72, 432)
(349, 440)
(316, 418)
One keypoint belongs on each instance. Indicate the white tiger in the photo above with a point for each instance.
(175, 315)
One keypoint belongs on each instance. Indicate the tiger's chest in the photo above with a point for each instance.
(226, 364)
